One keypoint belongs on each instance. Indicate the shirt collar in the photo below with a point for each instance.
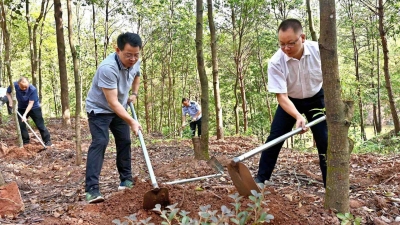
(305, 52)
(119, 63)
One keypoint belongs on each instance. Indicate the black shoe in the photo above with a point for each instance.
(48, 143)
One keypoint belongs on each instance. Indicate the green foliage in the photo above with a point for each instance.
(383, 144)
(256, 213)
(348, 219)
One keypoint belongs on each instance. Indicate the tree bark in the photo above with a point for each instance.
(263, 75)
(388, 85)
(96, 57)
(217, 97)
(338, 112)
(378, 78)
(203, 80)
(350, 14)
(62, 63)
(311, 22)
(39, 57)
(7, 62)
(33, 37)
(78, 92)
(106, 37)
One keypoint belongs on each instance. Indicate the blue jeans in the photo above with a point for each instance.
(37, 117)
(99, 125)
(283, 123)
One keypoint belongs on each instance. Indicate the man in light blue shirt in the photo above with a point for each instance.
(194, 110)
(106, 105)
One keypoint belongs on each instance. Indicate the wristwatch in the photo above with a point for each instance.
(135, 94)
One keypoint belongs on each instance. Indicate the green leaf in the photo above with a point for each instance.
(341, 216)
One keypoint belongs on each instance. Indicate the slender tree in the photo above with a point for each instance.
(311, 21)
(7, 62)
(338, 112)
(203, 79)
(33, 36)
(349, 8)
(39, 57)
(62, 63)
(78, 92)
(217, 97)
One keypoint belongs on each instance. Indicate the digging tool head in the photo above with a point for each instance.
(215, 164)
(154, 197)
(242, 179)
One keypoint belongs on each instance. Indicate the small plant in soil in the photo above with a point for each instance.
(348, 219)
(255, 213)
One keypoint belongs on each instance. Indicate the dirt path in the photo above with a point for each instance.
(52, 186)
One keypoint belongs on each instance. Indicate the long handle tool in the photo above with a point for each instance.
(157, 195)
(26, 122)
(240, 174)
(214, 163)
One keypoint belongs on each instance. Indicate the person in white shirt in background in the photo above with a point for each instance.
(194, 110)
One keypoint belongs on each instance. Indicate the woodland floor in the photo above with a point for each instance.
(52, 186)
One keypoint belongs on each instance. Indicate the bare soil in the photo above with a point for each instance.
(52, 186)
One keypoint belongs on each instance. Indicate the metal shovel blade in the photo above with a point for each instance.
(154, 197)
(215, 164)
(242, 179)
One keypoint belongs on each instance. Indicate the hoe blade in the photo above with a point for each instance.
(154, 197)
(242, 179)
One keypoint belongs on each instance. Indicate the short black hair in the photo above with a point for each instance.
(129, 38)
(184, 99)
(290, 23)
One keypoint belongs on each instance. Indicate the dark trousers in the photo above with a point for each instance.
(283, 123)
(99, 125)
(4, 99)
(37, 117)
(193, 127)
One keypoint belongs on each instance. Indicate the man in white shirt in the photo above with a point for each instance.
(194, 110)
(295, 76)
(4, 100)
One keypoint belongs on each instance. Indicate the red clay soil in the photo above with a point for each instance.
(52, 186)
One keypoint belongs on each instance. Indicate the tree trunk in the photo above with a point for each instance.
(78, 92)
(94, 36)
(378, 73)
(170, 103)
(217, 97)
(339, 114)
(311, 22)
(39, 56)
(106, 37)
(263, 75)
(7, 62)
(203, 80)
(146, 91)
(388, 84)
(32, 38)
(62, 63)
(356, 67)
